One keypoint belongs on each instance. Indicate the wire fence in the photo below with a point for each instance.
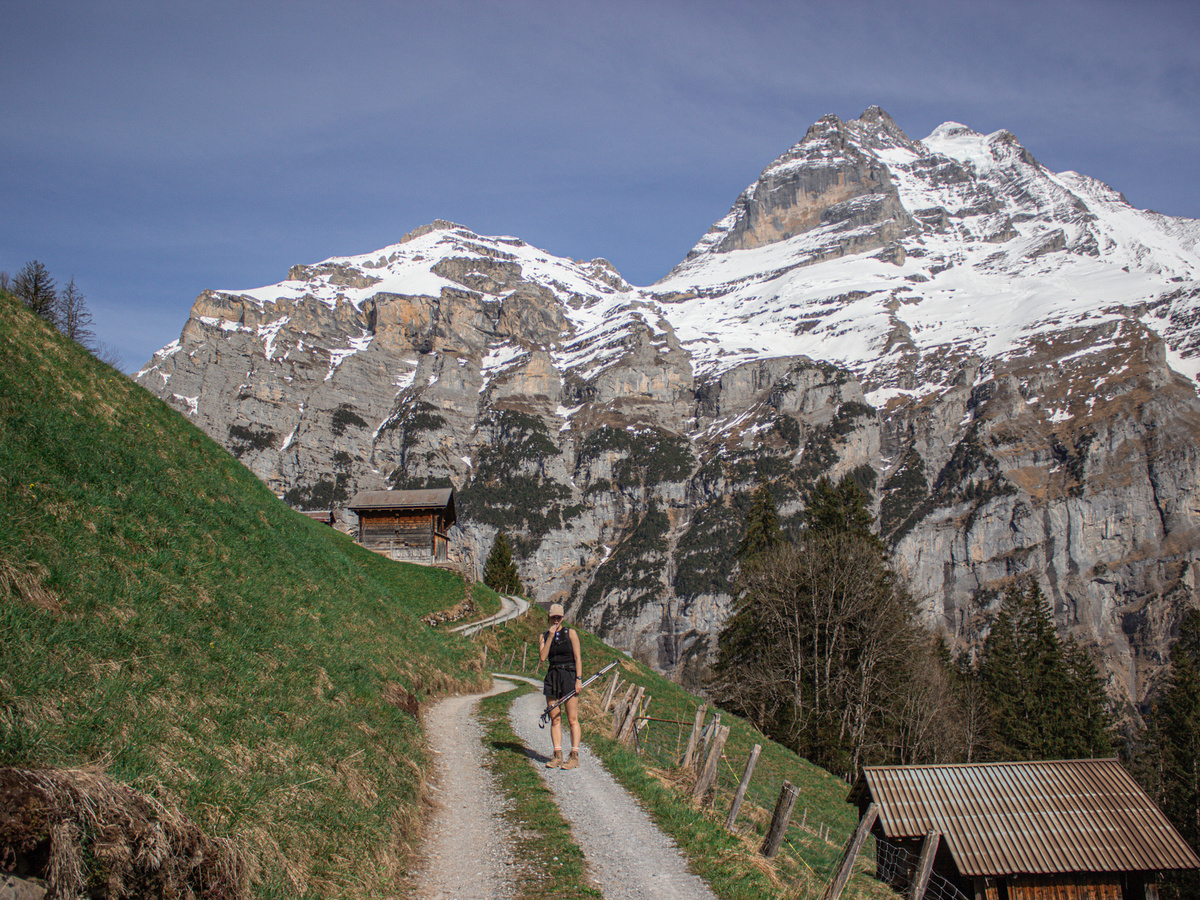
(897, 865)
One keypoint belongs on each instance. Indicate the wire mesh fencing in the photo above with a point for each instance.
(897, 865)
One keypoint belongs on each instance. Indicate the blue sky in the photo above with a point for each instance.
(156, 149)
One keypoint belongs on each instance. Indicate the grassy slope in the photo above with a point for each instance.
(166, 618)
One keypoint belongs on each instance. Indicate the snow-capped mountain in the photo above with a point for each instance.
(1007, 356)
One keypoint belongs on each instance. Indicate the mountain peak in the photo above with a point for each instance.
(880, 130)
(833, 182)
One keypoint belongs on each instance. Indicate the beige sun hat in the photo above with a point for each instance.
(556, 610)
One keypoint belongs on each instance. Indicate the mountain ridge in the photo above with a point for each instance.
(986, 344)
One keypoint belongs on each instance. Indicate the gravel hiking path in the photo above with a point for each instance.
(467, 852)
(629, 858)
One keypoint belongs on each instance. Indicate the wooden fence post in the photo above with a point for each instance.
(741, 791)
(691, 744)
(636, 731)
(779, 821)
(850, 854)
(618, 717)
(610, 690)
(629, 692)
(716, 745)
(706, 735)
(925, 866)
(630, 715)
(640, 724)
(630, 729)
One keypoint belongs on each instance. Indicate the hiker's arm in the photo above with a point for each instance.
(578, 660)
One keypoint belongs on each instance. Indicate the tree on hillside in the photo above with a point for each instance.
(761, 531)
(840, 508)
(1044, 696)
(35, 288)
(1168, 764)
(500, 572)
(739, 646)
(73, 317)
(937, 713)
(821, 638)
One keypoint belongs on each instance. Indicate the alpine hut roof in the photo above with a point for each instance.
(1083, 815)
(434, 498)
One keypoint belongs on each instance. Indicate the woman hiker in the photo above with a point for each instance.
(560, 645)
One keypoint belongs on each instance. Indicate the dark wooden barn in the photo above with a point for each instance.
(1059, 830)
(412, 526)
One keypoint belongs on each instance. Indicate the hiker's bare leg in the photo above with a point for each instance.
(556, 723)
(572, 706)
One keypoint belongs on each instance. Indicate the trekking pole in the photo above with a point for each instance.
(545, 717)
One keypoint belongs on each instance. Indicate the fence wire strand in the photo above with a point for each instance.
(896, 865)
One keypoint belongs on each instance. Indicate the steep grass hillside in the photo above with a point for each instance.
(167, 625)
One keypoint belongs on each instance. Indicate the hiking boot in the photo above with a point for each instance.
(556, 762)
(572, 760)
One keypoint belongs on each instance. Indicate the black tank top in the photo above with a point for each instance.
(561, 655)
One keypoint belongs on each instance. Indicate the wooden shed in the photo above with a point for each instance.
(406, 525)
(1058, 830)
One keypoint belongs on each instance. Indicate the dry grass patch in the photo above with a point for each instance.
(80, 832)
(26, 581)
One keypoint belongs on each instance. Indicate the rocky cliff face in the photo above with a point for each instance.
(1005, 356)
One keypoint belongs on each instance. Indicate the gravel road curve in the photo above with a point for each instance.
(629, 858)
(468, 854)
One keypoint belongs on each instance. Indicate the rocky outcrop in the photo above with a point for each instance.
(825, 182)
(994, 350)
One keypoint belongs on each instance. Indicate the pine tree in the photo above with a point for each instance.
(1179, 733)
(1089, 731)
(839, 509)
(761, 531)
(35, 287)
(1044, 696)
(500, 572)
(738, 649)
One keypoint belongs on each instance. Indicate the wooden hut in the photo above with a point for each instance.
(1058, 830)
(320, 515)
(406, 525)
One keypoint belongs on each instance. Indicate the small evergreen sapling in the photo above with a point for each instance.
(500, 572)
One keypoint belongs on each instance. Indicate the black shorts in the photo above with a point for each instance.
(559, 683)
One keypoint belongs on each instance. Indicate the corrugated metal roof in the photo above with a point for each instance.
(1081, 815)
(424, 499)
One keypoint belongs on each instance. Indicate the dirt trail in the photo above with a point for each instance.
(468, 852)
(628, 856)
(468, 855)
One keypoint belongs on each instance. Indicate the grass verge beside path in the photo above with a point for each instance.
(551, 865)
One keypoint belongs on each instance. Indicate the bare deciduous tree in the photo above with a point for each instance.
(73, 317)
(827, 636)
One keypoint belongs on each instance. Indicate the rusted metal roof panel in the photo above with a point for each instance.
(1084, 815)
(435, 498)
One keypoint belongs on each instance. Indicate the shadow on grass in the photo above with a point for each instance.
(518, 749)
